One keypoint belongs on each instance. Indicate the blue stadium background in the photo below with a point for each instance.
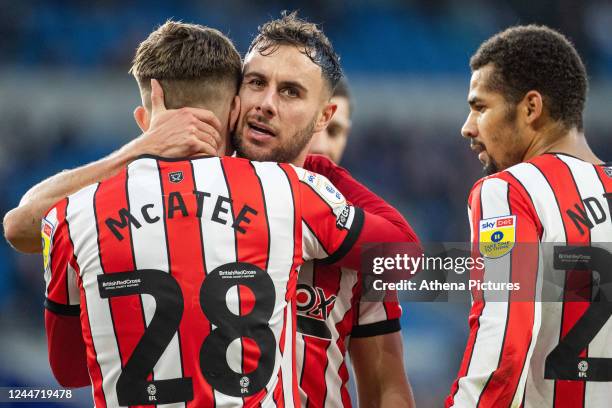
(67, 99)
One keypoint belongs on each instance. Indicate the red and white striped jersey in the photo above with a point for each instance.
(330, 312)
(542, 353)
(184, 275)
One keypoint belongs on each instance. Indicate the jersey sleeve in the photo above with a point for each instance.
(330, 225)
(61, 285)
(358, 194)
(372, 318)
(503, 330)
(376, 318)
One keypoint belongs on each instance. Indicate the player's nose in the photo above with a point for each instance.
(469, 128)
(268, 103)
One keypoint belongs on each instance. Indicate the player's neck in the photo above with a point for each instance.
(299, 161)
(572, 142)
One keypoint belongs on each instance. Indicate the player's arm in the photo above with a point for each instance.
(375, 229)
(66, 348)
(378, 363)
(376, 342)
(358, 194)
(333, 229)
(172, 133)
(502, 332)
(377, 355)
(21, 224)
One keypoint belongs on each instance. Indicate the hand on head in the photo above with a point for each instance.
(176, 133)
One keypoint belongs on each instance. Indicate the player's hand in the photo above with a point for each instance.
(180, 132)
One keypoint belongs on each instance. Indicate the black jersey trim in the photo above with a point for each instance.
(349, 241)
(376, 329)
(58, 308)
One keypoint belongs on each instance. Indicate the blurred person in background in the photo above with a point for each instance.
(544, 185)
(331, 141)
(374, 324)
(280, 110)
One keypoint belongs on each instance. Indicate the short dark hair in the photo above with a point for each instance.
(292, 30)
(190, 59)
(537, 58)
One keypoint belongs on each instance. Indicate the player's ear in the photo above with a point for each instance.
(532, 106)
(326, 116)
(234, 113)
(142, 117)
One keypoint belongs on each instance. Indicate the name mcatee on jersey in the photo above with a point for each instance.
(176, 204)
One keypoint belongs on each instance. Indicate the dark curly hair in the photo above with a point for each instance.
(292, 30)
(537, 58)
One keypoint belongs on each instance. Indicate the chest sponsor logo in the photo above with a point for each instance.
(313, 309)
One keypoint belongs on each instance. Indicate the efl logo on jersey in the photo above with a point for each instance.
(324, 188)
(175, 177)
(47, 236)
(496, 236)
(608, 171)
(333, 195)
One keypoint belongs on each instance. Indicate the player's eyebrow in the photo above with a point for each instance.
(254, 74)
(282, 84)
(473, 100)
(293, 84)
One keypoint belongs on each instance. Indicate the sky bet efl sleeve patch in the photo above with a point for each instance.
(327, 191)
(324, 188)
(496, 236)
(47, 230)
